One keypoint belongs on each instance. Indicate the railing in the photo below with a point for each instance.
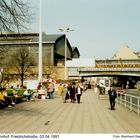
(129, 101)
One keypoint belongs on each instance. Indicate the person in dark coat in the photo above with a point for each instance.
(112, 96)
(72, 92)
(39, 86)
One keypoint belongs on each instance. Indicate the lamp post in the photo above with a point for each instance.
(65, 32)
(40, 44)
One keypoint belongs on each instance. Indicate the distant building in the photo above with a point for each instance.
(53, 46)
(53, 50)
(125, 53)
(124, 58)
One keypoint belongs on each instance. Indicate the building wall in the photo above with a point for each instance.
(50, 51)
(75, 55)
(32, 74)
(48, 54)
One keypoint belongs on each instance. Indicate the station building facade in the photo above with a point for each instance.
(123, 58)
(53, 53)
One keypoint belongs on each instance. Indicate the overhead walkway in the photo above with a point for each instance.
(52, 116)
(86, 72)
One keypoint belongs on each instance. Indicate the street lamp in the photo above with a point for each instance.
(65, 32)
(40, 43)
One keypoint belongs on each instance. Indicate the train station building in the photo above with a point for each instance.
(13, 46)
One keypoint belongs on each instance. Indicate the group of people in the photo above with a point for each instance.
(74, 92)
(70, 91)
(9, 100)
(49, 89)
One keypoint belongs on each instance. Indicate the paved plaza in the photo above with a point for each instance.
(92, 116)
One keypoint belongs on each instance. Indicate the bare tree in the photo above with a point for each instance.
(22, 61)
(50, 72)
(13, 15)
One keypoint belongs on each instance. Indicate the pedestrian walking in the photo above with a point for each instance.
(39, 86)
(64, 93)
(60, 89)
(50, 90)
(72, 92)
(78, 93)
(112, 96)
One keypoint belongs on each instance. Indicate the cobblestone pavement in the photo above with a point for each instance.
(92, 116)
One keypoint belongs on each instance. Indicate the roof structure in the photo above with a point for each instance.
(137, 53)
(75, 49)
(30, 37)
(33, 38)
(125, 53)
(48, 38)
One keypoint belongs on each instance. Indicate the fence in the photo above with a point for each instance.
(129, 101)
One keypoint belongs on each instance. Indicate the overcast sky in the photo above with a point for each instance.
(101, 26)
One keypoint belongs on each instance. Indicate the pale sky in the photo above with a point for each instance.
(101, 26)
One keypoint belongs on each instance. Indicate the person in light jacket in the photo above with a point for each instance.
(50, 90)
(79, 91)
(64, 93)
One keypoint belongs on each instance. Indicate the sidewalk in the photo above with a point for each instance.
(53, 116)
